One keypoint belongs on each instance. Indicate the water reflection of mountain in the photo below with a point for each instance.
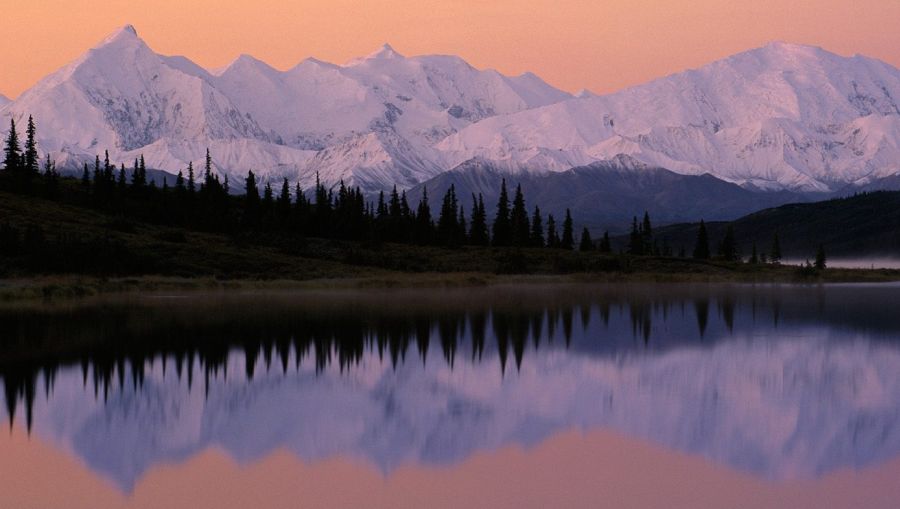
(794, 382)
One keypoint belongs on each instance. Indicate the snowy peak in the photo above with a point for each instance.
(384, 52)
(783, 116)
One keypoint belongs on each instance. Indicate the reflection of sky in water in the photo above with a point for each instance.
(784, 391)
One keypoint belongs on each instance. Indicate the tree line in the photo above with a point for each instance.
(202, 200)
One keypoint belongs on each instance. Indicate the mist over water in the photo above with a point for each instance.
(852, 263)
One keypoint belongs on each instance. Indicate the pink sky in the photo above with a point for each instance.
(573, 44)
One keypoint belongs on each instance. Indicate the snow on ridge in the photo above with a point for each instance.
(783, 116)
(122, 97)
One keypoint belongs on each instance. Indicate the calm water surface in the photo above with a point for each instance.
(528, 396)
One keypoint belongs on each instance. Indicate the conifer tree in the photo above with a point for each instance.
(647, 246)
(537, 228)
(605, 245)
(478, 232)
(11, 150)
(122, 183)
(701, 248)
(552, 236)
(284, 201)
(775, 255)
(448, 219)
(754, 256)
(31, 156)
(518, 218)
(821, 260)
(179, 183)
(461, 237)
(728, 249)
(424, 228)
(85, 178)
(586, 243)
(568, 237)
(191, 182)
(251, 205)
(502, 230)
(636, 238)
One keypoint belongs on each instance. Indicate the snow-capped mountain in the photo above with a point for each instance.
(371, 122)
(3, 100)
(781, 116)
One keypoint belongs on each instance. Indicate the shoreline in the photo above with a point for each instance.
(73, 287)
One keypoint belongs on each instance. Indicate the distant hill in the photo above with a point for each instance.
(866, 224)
(606, 195)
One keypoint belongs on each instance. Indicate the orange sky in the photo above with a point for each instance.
(602, 45)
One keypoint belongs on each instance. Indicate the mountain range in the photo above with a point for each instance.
(785, 118)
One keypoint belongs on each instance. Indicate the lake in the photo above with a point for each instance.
(557, 395)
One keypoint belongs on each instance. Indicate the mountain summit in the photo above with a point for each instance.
(782, 116)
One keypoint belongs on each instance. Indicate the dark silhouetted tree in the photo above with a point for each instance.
(568, 237)
(537, 228)
(478, 231)
(728, 249)
(821, 259)
(701, 247)
(775, 254)
(502, 235)
(586, 243)
(605, 245)
(518, 218)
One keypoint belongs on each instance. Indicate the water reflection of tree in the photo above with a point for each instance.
(115, 345)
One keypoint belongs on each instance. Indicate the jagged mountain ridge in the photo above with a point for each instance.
(782, 116)
(779, 117)
(371, 122)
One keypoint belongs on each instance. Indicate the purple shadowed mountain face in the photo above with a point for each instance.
(780, 117)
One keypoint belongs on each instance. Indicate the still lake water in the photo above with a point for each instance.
(520, 396)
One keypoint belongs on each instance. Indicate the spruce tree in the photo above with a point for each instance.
(728, 249)
(191, 183)
(754, 256)
(11, 150)
(122, 182)
(85, 179)
(636, 238)
(701, 248)
(461, 227)
(424, 228)
(448, 219)
(502, 231)
(775, 255)
(284, 201)
(552, 235)
(586, 243)
(821, 260)
(647, 246)
(478, 232)
(568, 237)
(518, 218)
(251, 205)
(605, 246)
(537, 228)
(31, 156)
